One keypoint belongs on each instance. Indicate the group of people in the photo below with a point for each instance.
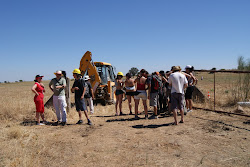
(83, 96)
(165, 91)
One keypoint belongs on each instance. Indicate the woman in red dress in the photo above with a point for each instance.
(38, 89)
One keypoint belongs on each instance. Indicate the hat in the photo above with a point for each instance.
(120, 73)
(39, 76)
(157, 73)
(188, 66)
(76, 71)
(176, 68)
(58, 72)
(86, 78)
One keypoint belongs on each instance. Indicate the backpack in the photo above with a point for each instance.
(156, 83)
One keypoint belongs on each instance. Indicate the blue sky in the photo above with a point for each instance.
(42, 36)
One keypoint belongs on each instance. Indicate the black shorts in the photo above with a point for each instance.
(80, 104)
(119, 92)
(189, 92)
(132, 93)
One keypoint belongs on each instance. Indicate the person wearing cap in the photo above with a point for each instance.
(57, 85)
(79, 88)
(178, 83)
(192, 80)
(89, 95)
(119, 93)
(38, 89)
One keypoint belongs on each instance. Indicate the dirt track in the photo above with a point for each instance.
(205, 139)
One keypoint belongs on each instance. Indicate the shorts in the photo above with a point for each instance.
(80, 104)
(119, 92)
(189, 92)
(177, 101)
(153, 99)
(142, 95)
(132, 93)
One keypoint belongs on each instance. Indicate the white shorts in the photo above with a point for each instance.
(142, 95)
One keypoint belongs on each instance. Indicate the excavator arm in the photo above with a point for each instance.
(86, 64)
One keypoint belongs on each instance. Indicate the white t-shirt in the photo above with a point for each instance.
(178, 80)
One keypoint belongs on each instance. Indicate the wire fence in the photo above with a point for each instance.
(220, 90)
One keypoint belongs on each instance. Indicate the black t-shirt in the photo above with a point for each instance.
(88, 93)
(80, 83)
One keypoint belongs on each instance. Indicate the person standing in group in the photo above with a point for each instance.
(154, 87)
(130, 90)
(79, 88)
(142, 94)
(178, 83)
(163, 92)
(38, 89)
(189, 92)
(89, 95)
(57, 85)
(119, 93)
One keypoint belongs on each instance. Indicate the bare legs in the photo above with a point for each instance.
(175, 116)
(129, 104)
(189, 104)
(118, 102)
(145, 107)
(38, 114)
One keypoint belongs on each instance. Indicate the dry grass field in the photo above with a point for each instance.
(205, 139)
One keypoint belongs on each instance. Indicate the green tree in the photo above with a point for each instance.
(134, 71)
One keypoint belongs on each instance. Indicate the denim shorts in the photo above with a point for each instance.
(80, 104)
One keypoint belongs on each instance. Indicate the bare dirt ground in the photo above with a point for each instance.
(205, 139)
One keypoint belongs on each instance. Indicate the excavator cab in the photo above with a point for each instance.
(105, 71)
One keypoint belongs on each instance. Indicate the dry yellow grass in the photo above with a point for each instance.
(205, 139)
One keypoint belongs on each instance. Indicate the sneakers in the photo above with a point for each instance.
(189, 110)
(146, 116)
(63, 123)
(137, 118)
(153, 117)
(79, 122)
(45, 122)
(89, 122)
(40, 124)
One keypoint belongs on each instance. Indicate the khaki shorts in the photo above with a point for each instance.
(177, 101)
(142, 95)
(153, 99)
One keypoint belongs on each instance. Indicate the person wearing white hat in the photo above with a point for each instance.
(89, 95)
(57, 85)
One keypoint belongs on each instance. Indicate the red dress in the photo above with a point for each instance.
(38, 99)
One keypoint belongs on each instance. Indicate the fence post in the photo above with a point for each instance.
(214, 91)
(67, 93)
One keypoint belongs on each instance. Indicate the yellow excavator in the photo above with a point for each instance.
(102, 79)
